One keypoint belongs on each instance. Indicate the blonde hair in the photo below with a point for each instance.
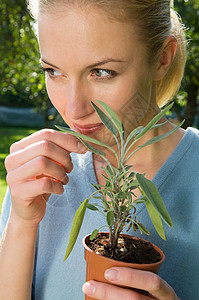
(155, 20)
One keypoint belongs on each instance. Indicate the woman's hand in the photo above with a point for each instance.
(37, 167)
(129, 278)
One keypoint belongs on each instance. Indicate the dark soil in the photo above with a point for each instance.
(129, 250)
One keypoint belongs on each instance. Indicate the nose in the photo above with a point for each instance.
(78, 97)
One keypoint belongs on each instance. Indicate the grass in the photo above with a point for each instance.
(8, 136)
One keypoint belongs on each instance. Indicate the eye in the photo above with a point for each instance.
(103, 74)
(52, 73)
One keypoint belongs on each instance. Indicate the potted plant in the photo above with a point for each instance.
(114, 200)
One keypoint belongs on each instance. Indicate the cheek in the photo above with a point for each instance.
(122, 94)
(56, 96)
(132, 100)
(117, 94)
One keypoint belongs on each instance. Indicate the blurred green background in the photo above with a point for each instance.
(22, 84)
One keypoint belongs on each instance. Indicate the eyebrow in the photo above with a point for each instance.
(46, 62)
(100, 63)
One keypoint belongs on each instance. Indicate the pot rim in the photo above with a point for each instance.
(132, 237)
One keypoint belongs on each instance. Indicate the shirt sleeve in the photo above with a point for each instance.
(5, 211)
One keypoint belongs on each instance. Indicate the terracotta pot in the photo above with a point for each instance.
(97, 264)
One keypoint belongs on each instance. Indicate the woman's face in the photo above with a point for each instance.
(89, 57)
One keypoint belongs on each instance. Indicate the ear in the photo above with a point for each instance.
(167, 56)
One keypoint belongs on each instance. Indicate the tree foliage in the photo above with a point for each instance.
(22, 82)
(188, 98)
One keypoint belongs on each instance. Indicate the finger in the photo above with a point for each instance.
(30, 190)
(63, 140)
(38, 166)
(143, 280)
(104, 291)
(29, 200)
(41, 148)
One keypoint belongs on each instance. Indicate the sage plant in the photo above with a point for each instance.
(114, 199)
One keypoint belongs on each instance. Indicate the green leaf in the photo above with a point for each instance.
(154, 197)
(153, 122)
(133, 185)
(109, 193)
(129, 227)
(77, 223)
(123, 132)
(123, 208)
(106, 121)
(127, 167)
(108, 171)
(82, 136)
(96, 186)
(159, 125)
(120, 195)
(132, 188)
(131, 175)
(94, 234)
(112, 115)
(93, 149)
(110, 218)
(133, 134)
(111, 170)
(92, 207)
(129, 197)
(142, 228)
(138, 201)
(155, 218)
(107, 178)
(161, 137)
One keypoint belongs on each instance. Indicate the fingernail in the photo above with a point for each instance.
(112, 275)
(89, 288)
(81, 147)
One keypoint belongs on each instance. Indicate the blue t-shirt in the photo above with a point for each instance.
(178, 183)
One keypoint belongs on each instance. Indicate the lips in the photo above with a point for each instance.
(88, 129)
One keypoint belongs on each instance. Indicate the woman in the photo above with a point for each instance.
(131, 55)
